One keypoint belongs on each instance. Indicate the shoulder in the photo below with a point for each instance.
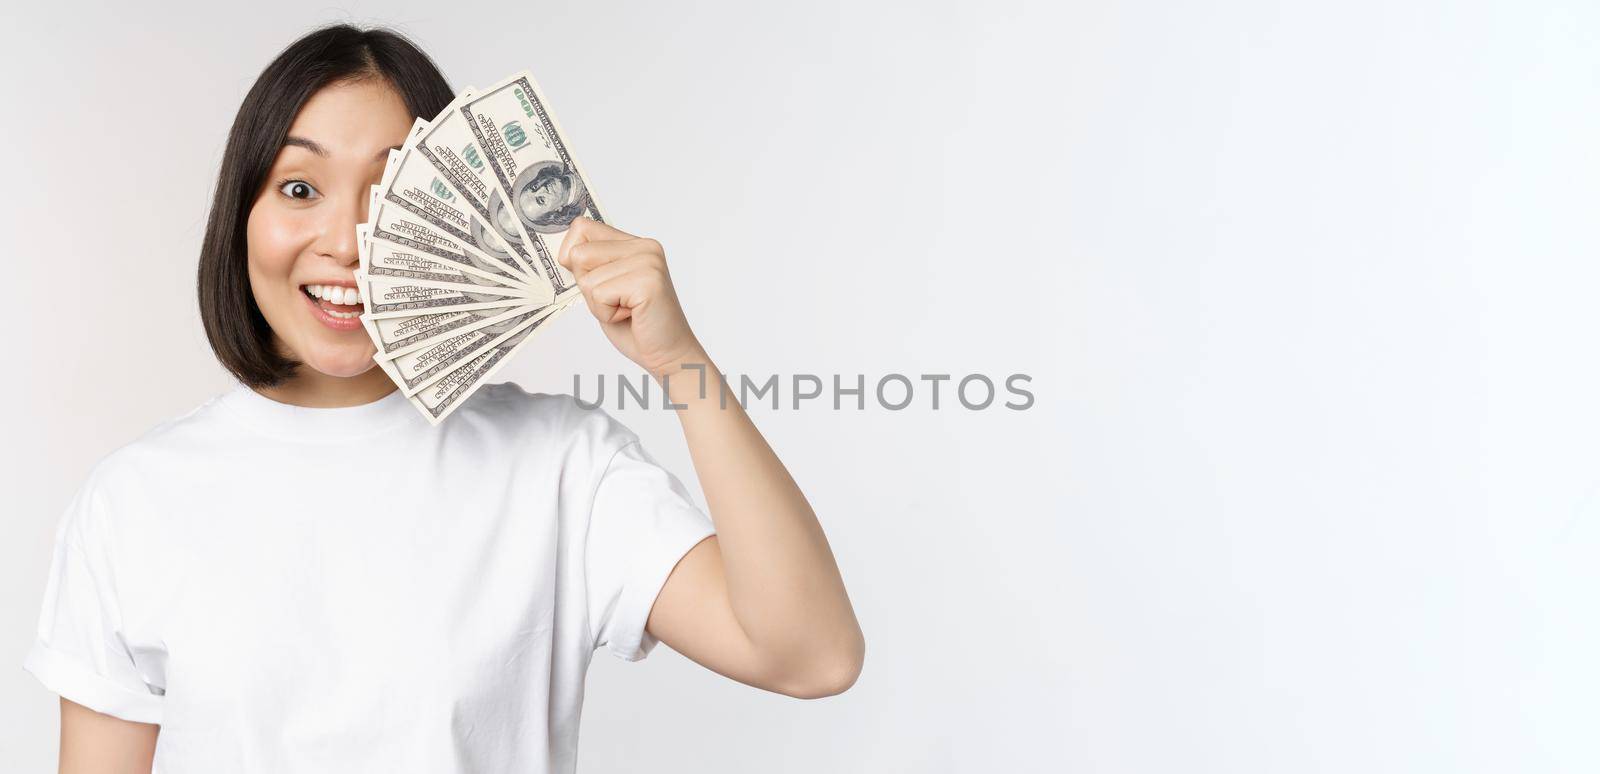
(167, 445)
(547, 418)
(118, 484)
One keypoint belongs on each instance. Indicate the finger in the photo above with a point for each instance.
(626, 294)
(620, 296)
(569, 240)
(600, 232)
(605, 307)
(584, 230)
(586, 257)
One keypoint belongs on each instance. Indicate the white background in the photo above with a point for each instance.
(1306, 291)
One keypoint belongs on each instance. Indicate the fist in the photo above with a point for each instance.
(624, 280)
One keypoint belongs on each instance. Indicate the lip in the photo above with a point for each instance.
(335, 323)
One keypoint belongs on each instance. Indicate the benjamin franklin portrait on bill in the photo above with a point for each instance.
(548, 195)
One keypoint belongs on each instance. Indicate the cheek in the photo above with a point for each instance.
(274, 241)
(275, 238)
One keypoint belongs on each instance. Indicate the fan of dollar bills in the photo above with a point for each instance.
(458, 254)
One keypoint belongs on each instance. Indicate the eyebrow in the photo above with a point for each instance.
(310, 145)
(314, 147)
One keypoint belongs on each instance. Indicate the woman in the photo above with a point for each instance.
(303, 575)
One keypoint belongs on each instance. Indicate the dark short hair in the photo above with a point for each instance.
(238, 332)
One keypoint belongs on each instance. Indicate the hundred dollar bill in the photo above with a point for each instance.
(419, 367)
(413, 185)
(441, 397)
(392, 297)
(394, 335)
(389, 223)
(386, 259)
(448, 145)
(492, 319)
(532, 167)
(483, 292)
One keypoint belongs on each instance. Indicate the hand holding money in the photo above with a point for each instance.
(625, 282)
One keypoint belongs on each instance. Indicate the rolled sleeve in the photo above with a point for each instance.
(67, 676)
(79, 652)
(642, 523)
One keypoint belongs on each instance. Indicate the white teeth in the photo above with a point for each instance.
(334, 294)
(343, 315)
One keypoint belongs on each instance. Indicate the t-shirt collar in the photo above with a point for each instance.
(304, 423)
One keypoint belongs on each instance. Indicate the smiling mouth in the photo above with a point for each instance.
(338, 301)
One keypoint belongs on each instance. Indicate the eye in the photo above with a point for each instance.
(297, 189)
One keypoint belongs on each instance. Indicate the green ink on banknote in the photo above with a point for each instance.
(514, 134)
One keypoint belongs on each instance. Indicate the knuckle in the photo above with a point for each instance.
(649, 261)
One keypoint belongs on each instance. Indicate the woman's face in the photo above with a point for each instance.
(301, 230)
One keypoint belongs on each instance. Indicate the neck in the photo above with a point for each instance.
(311, 388)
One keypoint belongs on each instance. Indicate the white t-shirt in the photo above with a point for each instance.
(288, 589)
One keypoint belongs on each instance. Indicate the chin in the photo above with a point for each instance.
(343, 364)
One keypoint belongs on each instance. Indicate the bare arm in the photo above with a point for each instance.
(761, 602)
(94, 743)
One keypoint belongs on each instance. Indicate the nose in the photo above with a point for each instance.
(337, 237)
